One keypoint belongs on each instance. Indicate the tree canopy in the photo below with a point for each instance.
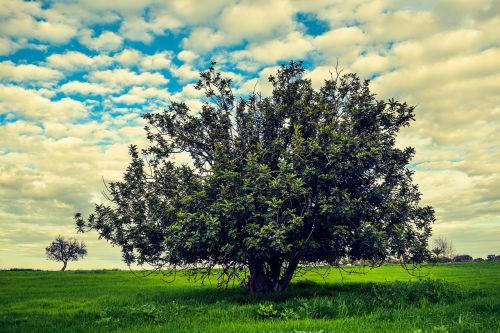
(303, 176)
(65, 250)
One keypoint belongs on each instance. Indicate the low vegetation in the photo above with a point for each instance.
(454, 297)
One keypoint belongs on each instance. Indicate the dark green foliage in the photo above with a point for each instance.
(300, 177)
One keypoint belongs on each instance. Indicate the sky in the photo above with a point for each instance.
(76, 76)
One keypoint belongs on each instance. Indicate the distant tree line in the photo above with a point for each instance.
(443, 251)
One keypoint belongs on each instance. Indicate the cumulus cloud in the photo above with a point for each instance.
(187, 56)
(85, 88)
(203, 39)
(135, 58)
(128, 57)
(106, 41)
(345, 42)
(161, 60)
(123, 77)
(8, 46)
(29, 103)
(76, 61)
(185, 72)
(238, 22)
(27, 73)
(369, 64)
(294, 46)
(20, 19)
(137, 28)
(139, 95)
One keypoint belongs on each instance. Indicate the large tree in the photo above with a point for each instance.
(299, 177)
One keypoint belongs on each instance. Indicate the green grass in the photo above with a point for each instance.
(453, 298)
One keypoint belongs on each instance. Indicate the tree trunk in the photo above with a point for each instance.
(259, 282)
(287, 275)
(64, 266)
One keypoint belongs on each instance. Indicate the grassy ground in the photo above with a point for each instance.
(454, 298)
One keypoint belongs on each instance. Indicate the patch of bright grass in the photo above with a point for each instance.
(451, 298)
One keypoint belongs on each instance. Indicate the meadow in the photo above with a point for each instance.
(459, 297)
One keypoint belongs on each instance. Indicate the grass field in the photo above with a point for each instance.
(453, 298)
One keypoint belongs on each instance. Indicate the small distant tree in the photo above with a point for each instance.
(490, 257)
(443, 248)
(65, 250)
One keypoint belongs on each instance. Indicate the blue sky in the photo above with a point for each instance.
(76, 76)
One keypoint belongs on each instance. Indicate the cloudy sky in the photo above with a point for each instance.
(76, 76)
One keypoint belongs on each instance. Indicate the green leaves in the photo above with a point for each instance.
(300, 176)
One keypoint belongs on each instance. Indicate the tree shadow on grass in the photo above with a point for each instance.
(383, 294)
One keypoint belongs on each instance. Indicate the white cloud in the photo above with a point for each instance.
(203, 39)
(27, 73)
(29, 103)
(341, 37)
(197, 12)
(77, 61)
(124, 77)
(106, 41)
(54, 32)
(369, 64)
(443, 45)
(187, 56)
(190, 91)
(161, 60)
(136, 28)
(128, 57)
(238, 22)
(185, 72)
(344, 42)
(294, 46)
(21, 19)
(140, 95)
(132, 58)
(85, 88)
(7, 46)
(415, 78)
